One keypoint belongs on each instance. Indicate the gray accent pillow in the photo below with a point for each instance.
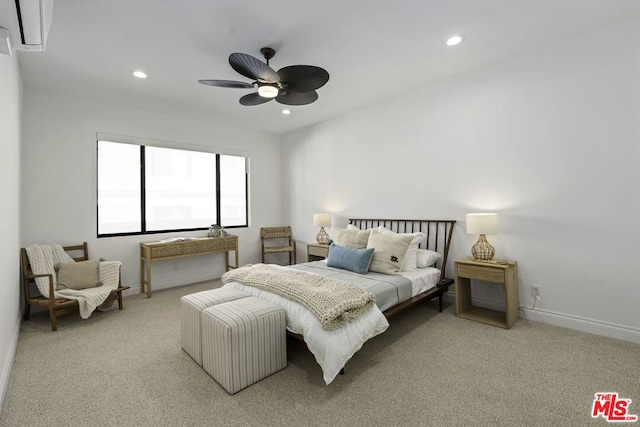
(390, 251)
(78, 275)
(356, 260)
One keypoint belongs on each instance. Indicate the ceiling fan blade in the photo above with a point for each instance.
(303, 78)
(253, 68)
(253, 99)
(227, 83)
(297, 98)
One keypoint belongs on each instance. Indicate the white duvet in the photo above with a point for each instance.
(331, 349)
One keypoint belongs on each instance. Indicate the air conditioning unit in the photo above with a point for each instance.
(28, 22)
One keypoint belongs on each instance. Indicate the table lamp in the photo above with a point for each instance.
(482, 224)
(322, 221)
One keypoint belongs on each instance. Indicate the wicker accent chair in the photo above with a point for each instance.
(274, 239)
(57, 306)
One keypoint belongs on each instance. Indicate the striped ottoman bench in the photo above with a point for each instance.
(191, 309)
(243, 341)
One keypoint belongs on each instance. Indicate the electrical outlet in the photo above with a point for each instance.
(535, 291)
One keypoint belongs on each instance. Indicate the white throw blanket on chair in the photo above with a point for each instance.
(43, 260)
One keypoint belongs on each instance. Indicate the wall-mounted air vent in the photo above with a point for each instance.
(33, 22)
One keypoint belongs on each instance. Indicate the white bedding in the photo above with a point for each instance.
(422, 279)
(332, 349)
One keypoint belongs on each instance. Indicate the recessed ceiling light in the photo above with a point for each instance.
(286, 112)
(454, 40)
(139, 74)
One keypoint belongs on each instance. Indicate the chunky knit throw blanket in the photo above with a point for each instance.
(334, 302)
(43, 260)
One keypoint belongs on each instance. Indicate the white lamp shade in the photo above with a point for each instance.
(482, 223)
(322, 220)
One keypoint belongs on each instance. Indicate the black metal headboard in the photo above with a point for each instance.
(438, 233)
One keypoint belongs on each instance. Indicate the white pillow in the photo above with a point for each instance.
(350, 238)
(389, 252)
(410, 260)
(426, 258)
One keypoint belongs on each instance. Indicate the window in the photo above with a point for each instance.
(147, 189)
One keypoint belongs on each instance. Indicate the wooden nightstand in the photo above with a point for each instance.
(502, 272)
(317, 252)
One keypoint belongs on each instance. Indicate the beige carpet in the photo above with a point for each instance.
(126, 368)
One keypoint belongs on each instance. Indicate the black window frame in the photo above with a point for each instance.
(143, 193)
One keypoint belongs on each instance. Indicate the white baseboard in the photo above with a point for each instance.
(584, 324)
(578, 323)
(7, 366)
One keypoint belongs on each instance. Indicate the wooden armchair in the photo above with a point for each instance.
(274, 237)
(57, 306)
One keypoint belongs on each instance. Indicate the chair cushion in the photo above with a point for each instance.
(78, 275)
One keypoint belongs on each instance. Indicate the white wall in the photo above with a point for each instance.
(59, 175)
(549, 140)
(10, 127)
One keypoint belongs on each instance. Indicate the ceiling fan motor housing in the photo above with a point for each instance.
(268, 53)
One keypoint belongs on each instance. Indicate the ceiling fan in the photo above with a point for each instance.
(292, 85)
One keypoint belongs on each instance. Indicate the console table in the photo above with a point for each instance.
(154, 251)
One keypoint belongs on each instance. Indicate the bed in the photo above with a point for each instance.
(394, 291)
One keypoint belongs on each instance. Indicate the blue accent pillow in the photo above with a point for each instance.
(356, 260)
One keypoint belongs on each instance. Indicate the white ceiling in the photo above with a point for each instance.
(372, 49)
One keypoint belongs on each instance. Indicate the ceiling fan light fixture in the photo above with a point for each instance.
(268, 91)
(454, 40)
